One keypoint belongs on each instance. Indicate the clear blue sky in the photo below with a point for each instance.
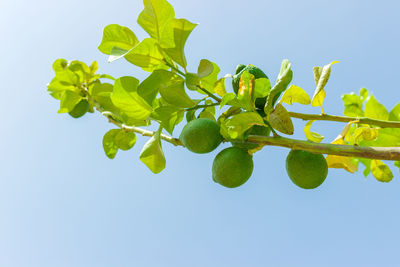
(64, 203)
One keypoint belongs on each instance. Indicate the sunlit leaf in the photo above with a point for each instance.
(365, 133)
(262, 87)
(146, 55)
(228, 98)
(126, 98)
(353, 105)
(322, 75)
(397, 164)
(155, 17)
(109, 145)
(281, 121)
(282, 82)
(181, 29)
(235, 126)
(367, 165)
(312, 136)
(68, 101)
(152, 155)
(172, 89)
(381, 171)
(168, 116)
(375, 110)
(117, 36)
(394, 114)
(219, 87)
(295, 94)
(205, 68)
(125, 140)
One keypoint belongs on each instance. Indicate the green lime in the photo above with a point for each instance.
(258, 73)
(201, 135)
(80, 109)
(307, 170)
(232, 167)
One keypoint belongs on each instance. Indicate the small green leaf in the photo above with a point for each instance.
(246, 91)
(152, 155)
(235, 126)
(60, 65)
(155, 17)
(375, 110)
(227, 99)
(208, 81)
(367, 164)
(262, 87)
(312, 136)
(125, 140)
(168, 116)
(205, 68)
(118, 36)
(295, 94)
(381, 171)
(397, 164)
(353, 105)
(126, 98)
(68, 101)
(394, 114)
(322, 75)
(109, 145)
(281, 121)
(282, 82)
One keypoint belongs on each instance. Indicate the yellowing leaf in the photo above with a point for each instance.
(381, 171)
(295, 94)
(246, 91)
(312, 136)
(341, 162)
(322, 75)
(219, 87)
(281, 121)
(152, 155)
(365, 133)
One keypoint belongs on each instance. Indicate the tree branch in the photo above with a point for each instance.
(362, 120)
(383, 153)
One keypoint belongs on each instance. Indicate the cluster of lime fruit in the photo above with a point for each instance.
(233, 166)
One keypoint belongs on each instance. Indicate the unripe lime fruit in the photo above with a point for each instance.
(232, 167)
(80, 109)
(254, 130)
(307, 170)
(201, 135)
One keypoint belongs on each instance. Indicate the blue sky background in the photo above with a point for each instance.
(64, 203)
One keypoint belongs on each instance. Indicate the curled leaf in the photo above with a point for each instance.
(295, 94)
(381, 171)
(321, 77)
(312, 136)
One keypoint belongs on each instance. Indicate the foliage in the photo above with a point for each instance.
(171, 93)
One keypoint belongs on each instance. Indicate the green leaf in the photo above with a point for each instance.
(126, 98)
(125, 140)
(312, 136)
(353, 105)
(295, 94)
(322, 76)
(118, 36)
(208, 112)
(381, 171)
(152, 155)
(148, 88)
(109, 145)
(262, 87)
(181, 29)
(60, 65)
(68, 101)
(375, 110)
(228, 99)
(246, 91)
(155, 17)
(168, 116)
(394, 114)
(235, 126)
(387, 137)
(281, 121)
(205, 68)
(172, 89)
(365, 133)
(282, 82)
(146, 55)
(367, 164)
